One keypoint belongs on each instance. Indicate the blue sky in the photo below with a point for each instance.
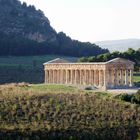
(93, 20)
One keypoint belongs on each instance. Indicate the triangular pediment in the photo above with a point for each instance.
(120, 60)
(57, 60)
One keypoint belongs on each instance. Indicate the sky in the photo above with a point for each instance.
(93, 20)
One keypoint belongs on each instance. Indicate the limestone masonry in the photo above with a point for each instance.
(116, 73)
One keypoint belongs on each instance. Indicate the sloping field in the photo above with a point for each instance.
(25, 68)
(58, 112)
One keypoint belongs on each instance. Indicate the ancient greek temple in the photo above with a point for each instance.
(116, 73)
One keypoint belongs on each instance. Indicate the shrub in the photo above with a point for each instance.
(137, 84)
(126, 97)
(137, 97)
(133, 98)
(88, 88)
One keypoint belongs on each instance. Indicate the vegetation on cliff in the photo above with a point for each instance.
(26, 31)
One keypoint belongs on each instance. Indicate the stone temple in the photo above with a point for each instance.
(116, 73)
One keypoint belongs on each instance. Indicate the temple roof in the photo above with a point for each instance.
(115, 60)
(119, 60)
(57, 60)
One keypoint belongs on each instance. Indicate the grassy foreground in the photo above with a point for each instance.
(58, 112)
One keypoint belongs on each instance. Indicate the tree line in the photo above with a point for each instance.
(131, 54)
(20, 46)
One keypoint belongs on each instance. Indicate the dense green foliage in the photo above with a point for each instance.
(131, 54)
(133, 98)
(46, 112)
(26, 31)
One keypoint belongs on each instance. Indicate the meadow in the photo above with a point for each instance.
(25, 68)
(51, 112)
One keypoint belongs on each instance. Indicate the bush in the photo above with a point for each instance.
(133, 98)
(137, 97)
(137, 84)
(125, 97)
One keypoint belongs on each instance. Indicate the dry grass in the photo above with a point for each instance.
(38, 109)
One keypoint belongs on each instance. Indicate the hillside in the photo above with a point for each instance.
(58, 112)
(120, 45)
(26, 31)
(25, 68)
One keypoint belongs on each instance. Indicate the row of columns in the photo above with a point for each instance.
(120, 77)
(76, 77)
(99, 78)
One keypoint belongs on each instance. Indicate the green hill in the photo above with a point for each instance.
(25, 68)
(24, 30)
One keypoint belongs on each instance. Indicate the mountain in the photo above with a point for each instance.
(26, 31)
(120, 45)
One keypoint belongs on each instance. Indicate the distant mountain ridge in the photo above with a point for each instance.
(120, 45)
(26, 31)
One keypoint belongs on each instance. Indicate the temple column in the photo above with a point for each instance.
(65, 76)
(102, 79)
(49, 77)
(117, 78)
(66, 80)
(90, 77)
(95, 76)
(99, 78)
(53, 77)
(131, 76)
(113, 78)
(57, 77)
(75, 80)
(71, 76)
(126, 77)
(77, 77)
(61, 76)
(105, 79)
(83, 81)
(85, 77)
(121, 77)
(80, 77)
(46, 76)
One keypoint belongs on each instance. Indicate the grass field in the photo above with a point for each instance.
(137, 77)
(63, 112)
(30, 61)
(26, 68)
